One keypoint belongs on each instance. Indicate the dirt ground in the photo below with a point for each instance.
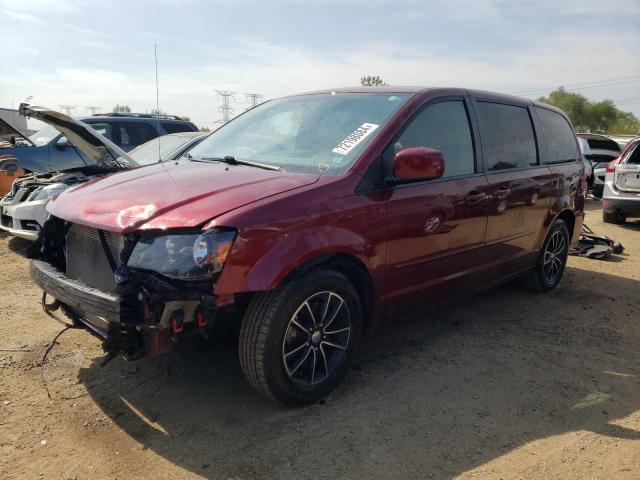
(505, 385)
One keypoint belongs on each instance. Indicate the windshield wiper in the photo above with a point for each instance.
(231, 160)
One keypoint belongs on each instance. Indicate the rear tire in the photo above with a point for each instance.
(614, 217)
(289, 349)
(549, 268)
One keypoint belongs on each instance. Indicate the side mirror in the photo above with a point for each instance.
(62, 143)
(417, 163)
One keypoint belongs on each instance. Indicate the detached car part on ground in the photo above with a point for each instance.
(310, 218)
(22, 210)
(621, 197)
(592, 245)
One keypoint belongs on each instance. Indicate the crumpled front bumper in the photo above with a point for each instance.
(96, 308)
(144, 321)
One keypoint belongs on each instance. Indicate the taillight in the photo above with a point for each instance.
(611, 166)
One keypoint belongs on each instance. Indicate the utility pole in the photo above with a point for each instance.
(67, 108)
(226, 107)
(93, 110)
(254, 99)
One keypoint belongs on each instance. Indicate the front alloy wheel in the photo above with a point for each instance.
(316, 338)
(297, 341)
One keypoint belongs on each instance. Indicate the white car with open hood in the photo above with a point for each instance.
(22, 210)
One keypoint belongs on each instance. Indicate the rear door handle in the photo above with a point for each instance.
(502, 192)
(474, 197)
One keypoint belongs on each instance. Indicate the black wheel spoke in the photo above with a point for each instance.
(300, 362)
(313, 317)
(334, 345)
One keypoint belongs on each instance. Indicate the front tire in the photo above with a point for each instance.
(297, 341)
(549, 268)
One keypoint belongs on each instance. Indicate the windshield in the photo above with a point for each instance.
(309, 133)
(44, 136)
(147, 153)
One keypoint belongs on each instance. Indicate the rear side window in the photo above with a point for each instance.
(445, 127)
(559, 137)
(103, 129)
(176, 127)
(133, 134)
(507, 135)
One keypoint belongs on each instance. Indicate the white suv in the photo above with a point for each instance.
(621, 197)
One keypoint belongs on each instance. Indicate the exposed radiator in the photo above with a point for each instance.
(86, 259)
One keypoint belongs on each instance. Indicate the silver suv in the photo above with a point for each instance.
(621, 197)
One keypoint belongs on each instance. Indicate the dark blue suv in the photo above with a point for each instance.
(48, 150)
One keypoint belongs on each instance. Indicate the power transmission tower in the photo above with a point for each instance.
(67, 108)
(93, 110)
(254, 99)
(226, 107)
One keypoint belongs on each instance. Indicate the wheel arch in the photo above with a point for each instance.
(350, 266)
(567, 215)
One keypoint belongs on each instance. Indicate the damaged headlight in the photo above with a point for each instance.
(184, 256)
(48, 192)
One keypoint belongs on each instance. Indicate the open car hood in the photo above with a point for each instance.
(95, 146)
(182, 194)
(7, 132)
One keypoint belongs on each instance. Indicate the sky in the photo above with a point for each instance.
(102, 53)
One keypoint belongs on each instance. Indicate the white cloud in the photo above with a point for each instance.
(84, 74)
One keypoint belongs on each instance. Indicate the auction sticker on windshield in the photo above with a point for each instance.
(354, 138)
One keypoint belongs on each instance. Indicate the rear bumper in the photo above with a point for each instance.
(628, 206)
(614, 199)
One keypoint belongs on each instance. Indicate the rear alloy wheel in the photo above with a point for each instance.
(296, 341)
(614, 217)
(549, 268)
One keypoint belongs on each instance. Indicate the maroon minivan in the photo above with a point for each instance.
(312, 218)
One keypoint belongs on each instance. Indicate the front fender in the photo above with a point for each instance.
(258, 264)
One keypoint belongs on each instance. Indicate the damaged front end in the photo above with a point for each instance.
(140, 292)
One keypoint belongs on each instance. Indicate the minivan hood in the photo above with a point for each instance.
(179, 194)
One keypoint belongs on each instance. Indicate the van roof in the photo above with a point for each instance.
(390, 89)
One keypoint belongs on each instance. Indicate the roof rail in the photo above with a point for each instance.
(137, 115)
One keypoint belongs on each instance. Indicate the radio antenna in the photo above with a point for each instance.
(155, 54)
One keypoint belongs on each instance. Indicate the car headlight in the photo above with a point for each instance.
(49, 191)
(184, 256)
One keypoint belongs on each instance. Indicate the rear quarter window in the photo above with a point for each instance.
(171, 127)
(559, 137)
(507, 136)
(133, 134)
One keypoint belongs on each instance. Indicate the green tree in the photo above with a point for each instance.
(155, 111)
(121, 108)
(588, 116)
(626, 124)
(205, 129)
(371, 81)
